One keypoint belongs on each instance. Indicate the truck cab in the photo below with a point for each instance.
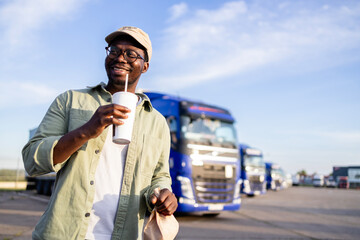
(343, 182)
(318, 180)
(204, 154)
(252, 171)
(274, 176)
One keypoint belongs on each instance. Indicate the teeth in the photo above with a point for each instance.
(119, 69)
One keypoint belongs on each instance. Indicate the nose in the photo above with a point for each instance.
(121, 57)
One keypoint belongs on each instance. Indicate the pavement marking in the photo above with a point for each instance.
(21, 212)
(34, 197)
(274, 225)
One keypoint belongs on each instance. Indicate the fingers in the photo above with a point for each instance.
(103, 117)
(166, 203)
(167, 207)
(153, 199)
(112, 114)
(116, 111)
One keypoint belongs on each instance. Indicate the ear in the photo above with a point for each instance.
(145, 67)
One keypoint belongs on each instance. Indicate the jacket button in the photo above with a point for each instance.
(97, 151)
(91, 182)
(87, 214)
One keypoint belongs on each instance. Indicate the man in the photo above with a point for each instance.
(102, 189)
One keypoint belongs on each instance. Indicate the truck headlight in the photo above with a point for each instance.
(247, 186)
(186, 188)
(261, 178)
(237, 189)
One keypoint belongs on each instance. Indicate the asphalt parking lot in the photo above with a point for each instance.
(293, 213)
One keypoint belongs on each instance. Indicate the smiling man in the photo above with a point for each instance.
(102, 189)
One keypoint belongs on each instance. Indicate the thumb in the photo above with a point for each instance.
(153, 199)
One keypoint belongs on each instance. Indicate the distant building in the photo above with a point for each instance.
(352, 172)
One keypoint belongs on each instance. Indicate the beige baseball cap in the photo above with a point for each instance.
(138, 34)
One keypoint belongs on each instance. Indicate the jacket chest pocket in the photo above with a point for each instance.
(78, 117)
(150, 154)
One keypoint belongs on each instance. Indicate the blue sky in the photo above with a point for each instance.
(289, 71)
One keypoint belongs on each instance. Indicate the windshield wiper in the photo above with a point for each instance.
(227, 144)
(206, 141)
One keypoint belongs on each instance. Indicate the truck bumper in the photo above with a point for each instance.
(183, 206)
(255, 193)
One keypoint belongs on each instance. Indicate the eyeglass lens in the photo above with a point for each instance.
(129, 55)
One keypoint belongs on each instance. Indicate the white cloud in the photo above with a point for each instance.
(22, 21)
(228, 12)
(20, 18)
(25, 94)
(178, 10)
(241, 36)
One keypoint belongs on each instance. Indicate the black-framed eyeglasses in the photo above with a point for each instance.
(130, 56)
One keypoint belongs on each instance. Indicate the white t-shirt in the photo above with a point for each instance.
(108, 179)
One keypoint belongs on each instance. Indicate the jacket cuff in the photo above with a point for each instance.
(44, 154)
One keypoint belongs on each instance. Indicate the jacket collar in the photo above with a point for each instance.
(145, 99)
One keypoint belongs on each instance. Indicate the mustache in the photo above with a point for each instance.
(116, 63)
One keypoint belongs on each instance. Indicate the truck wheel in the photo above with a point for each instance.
(52, 187)
(39, 187)
(48, 187)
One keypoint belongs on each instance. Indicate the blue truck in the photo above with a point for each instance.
(252, 171)
(274, 176)
(204, 154)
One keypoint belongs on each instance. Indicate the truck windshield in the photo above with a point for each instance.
(208, 131)
(276, 172)
(254, 161)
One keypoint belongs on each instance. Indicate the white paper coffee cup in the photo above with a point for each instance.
(122, 133)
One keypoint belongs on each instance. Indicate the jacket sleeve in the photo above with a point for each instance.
(161, 177)
(38, 152)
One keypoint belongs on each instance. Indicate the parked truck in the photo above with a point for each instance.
(204, 154)
(274, 176)
(252, 171)
(343, 182)
(318, 180)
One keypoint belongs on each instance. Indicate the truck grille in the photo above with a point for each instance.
(255, 183)
(254, 178)
(212, 184)
(256, 186)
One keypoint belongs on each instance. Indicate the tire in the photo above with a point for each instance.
(47, 188)
(52, 186)
(39, 186)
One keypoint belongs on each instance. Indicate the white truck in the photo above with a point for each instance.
(318, 180)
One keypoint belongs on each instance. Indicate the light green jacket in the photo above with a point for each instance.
(146, 167)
